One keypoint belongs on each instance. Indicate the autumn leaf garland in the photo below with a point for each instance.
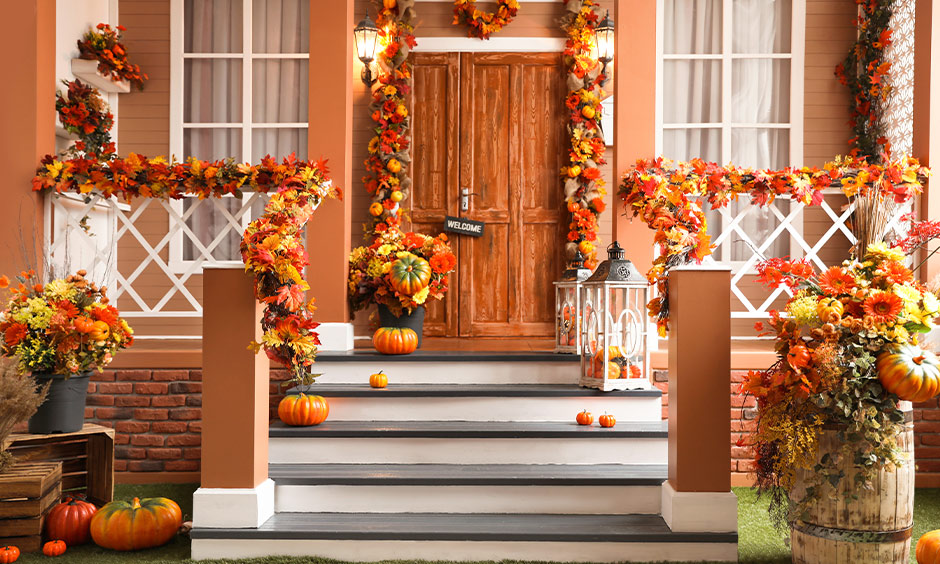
(483, 24)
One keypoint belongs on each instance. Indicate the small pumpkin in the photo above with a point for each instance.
(799, 357)
(376, 209)
(830, 310)
(389, 4)
(395, 340)
(70, 521)
(574, 171)
(302, 410)
(584, 418)
(54, 548)
(928, 548)
(409, 274)
(606, 420)
(100, 331)
(586, 247)
(589, 112)
(9, 554)
(393, 166)
(141, 523)
(910, 372)
(378, 380)
(397, 196)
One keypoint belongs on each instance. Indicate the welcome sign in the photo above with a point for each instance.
(463, 226)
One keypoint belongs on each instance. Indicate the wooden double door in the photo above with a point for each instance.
(490, 128)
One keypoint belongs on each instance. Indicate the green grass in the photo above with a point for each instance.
(759, 543)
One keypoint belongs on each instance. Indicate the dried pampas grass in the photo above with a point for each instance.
(19, 400)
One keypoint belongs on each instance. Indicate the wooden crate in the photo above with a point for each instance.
(27, 492)
(87, 458)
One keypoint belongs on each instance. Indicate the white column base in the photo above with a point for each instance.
(233, 508)
(699, 512)
(335, 336)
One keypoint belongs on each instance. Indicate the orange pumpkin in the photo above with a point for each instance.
(393, 166)
(584, 418)
(910, 372)
(301, 410)
(378, 380)
(100, 331)
(142, 523)
(54, 548)
(589, 112)
(389, 4)
(574, 171)
(928, 548)
(9, 554)
(409, 274)
(70, 521)
(830, 310)
(376, 209)
(395, 340)
(606, 420)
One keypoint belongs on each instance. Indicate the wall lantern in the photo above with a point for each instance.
(568, 306)
(614, 329)
(366, 34)
(604, 39)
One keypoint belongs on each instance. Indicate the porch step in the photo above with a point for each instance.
(468, 442)
(483, 402)
(468, 488)
(437, 536)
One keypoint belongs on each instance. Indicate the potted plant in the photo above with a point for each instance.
(60, 332)
(400, 272)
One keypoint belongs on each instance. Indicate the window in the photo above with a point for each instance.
(240, 80)
(732, 88)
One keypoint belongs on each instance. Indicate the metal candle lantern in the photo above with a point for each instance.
(614, 329)
(568, 306)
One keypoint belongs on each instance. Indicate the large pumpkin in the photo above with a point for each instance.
(141, 523)
(928, 548)
(70, 521)
(301, 410)
(910, 372)
(409, 274)
(395, 340)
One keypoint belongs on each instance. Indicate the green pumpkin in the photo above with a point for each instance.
(409, 274)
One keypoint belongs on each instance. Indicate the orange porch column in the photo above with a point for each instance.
(27, 115)
(697, 496)
(235, 489)
(329, 231)
(634, 115)
(926, 145)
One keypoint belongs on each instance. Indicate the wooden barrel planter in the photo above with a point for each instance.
(873, 528)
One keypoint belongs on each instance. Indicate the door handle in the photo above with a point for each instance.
(465, 194)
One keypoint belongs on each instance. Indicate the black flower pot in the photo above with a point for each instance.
(64, 408)
(413, 320)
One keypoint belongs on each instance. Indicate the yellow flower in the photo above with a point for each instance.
(880, 252)
(421, 295)
(374, 268)
(931, 303)
(59, 290)
(384, 250)
(803, 310)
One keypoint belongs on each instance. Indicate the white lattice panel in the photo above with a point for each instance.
(899, 114)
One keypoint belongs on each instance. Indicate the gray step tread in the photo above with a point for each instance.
(371, 355)
(296, 474)
(466, 527)
(470, 390)
(470, 430)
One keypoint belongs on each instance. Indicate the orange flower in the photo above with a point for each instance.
(14, 334)
(835, 281)
(443, 263)
(896, 273)
(883, 307)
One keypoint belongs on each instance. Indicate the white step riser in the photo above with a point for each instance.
(380, 550)
(395, 450)
(379, 408)
(610, 500)
(451, 372)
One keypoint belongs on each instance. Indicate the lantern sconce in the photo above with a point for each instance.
(568, 306)
(604, 39)
(366, 35)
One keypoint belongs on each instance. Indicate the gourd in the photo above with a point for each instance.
(409, 274)
(829, 310)
(395, 340)
(9, 554)
(389, 4)
(910, 372)
(584, 418)
(928, 548)
(100, 331)
(588, 112)
(375, 208)
(393, 166)
(378, 380)
(54, 548)
(70, 521)
(606, 420)
(142, 523)
(302, 410)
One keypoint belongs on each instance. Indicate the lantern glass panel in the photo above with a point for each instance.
(614, 335)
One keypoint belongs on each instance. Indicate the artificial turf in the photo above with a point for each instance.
(758, 542)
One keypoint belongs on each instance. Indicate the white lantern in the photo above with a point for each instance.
(568, 306)
(614, 327)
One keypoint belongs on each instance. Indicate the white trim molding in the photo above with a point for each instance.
(335, 336)
(492, 45)
(699, 512)
(233, 508)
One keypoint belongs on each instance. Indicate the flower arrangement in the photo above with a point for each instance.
(484, 24)
(104, 45)
(387, 179)
(667, 196)
(273, 251)
(370, 279)
(828, 342)
(584, 187)
(63, 327)
(83, 113)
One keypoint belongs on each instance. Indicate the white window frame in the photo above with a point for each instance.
(177, 126)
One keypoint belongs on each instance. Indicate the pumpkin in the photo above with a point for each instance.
(301, 410)
(389, 4)
(574, 171)
(70, 521)
(613, 371)
(409, 274)
(588, 112)
(606, 420)
(142, 523)
(54, 548)
(9, 554)
(910, 372)
(393, 166)
(928, 548)
(799, 357)
(830, 310)
(584, 418)
(376, 209)
(397, 196)
(100, 331)
(378, 380)
(586, 247)
(395, 340)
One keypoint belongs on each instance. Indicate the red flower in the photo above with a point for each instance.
(896, 273)
(443, 263)
(835, 282)
(14, 334)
